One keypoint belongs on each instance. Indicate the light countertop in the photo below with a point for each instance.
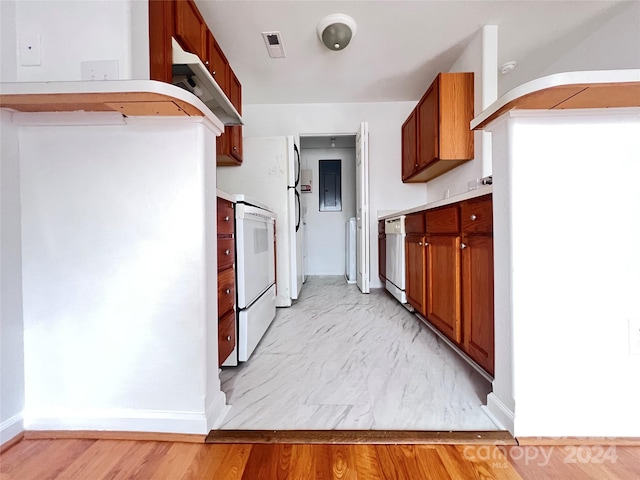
(478, 192)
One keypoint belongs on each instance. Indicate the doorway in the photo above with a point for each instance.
(325, 229)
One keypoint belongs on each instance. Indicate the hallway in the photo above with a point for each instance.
(338, 359)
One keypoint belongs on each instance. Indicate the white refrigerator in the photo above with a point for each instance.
(270, 173)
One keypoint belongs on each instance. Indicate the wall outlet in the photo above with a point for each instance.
(99, 70)
(634, 336)
(446, 193)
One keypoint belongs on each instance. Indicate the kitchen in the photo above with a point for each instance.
(384, 120)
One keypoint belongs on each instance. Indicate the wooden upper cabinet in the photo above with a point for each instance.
(444, 139)
(229, 144)
(409, 146)
(235, 91)
(428, 131)
(217, 64)
(190, 28)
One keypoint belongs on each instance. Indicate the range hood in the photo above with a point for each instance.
(190, 73)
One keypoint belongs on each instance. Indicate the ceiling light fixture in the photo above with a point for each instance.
(336, 31)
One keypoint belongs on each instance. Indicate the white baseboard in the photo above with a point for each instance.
(217, 409)
(499, 413)
(11, 428)
(122, 420)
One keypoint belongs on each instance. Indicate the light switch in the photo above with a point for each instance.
(30, 50)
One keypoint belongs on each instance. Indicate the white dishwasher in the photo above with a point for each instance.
(395, 232)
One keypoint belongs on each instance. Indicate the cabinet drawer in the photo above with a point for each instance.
(226, 291)
(477, 215)
(226, 253)
(226, 336)
(443, 220)
(414, 223)
(225, 217)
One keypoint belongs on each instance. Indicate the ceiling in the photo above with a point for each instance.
(399, 48)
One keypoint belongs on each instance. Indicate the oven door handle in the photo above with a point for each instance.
(254, 213)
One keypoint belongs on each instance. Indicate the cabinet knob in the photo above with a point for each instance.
(228, 291)
(420, 243)
(463, 246)
(226, 219)
(207, 63)
(213, 73)
(227, 252)
(473, 217)
(235, 148)
(228, 338)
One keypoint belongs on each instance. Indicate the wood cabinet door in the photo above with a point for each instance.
(235, 91)
(477, 293)
(226, 336)
(443, 284)
(190, 29)
(218, 64)
(428, 127)
(409, 146)
(415, 272)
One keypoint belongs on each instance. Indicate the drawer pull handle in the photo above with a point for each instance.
(473, 217)
(227, 252)
(226, 219)
(228, 291)
(228, 338)
(463, 246)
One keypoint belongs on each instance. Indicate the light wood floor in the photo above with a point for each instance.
(131, 459)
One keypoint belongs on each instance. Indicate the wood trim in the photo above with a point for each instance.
(10, 443)
(128, 103)
(543, 441)
(568, 90)
(390, 437)
(113, 435)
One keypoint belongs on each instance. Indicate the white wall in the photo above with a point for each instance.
(572, 269)
(119, 302)
(481, 58)
(385, 120)
(11, 323)
(612, 43)
(84, 30)
(326, 230)
(8, 65)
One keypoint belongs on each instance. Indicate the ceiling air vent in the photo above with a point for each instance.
(273, 41)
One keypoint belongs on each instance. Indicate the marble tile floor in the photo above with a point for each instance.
(341, 360)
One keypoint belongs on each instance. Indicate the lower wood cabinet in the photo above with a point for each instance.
(449, 274)
(477, 281)
(443, 284)
(416, 262)
(226, 280)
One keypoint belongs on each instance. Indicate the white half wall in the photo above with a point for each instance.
(11, 321)
(73, 31)
(385, 121)
(118, 270)
(572, 270)
(326, 230)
